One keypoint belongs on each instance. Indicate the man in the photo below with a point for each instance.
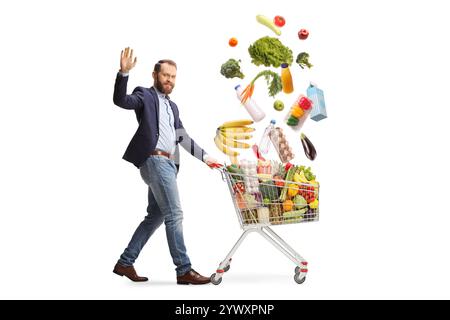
(154, 150)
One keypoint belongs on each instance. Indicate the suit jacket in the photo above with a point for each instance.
(145, 103)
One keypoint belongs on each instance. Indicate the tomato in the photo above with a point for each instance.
(233, 42)
(303, 34)
(279, 21)
(239, 187)
(310, 200)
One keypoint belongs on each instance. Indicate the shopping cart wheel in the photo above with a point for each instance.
(213, 281)
(299, 279)
(297, 269)
(226, 268)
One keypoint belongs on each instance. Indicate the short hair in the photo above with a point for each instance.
(160, 62)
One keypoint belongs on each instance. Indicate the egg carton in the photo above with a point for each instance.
(250, 176)
(281, 145)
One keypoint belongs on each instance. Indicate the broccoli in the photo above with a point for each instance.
(231, 69)
(302, 60)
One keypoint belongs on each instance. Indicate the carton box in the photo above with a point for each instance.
(319, 110)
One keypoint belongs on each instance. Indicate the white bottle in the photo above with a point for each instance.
(264, 145)
(250, 105)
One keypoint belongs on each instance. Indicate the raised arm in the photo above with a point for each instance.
(120, 97)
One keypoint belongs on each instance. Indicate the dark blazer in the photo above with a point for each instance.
(145, 103)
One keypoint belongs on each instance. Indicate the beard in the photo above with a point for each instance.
(165, 88)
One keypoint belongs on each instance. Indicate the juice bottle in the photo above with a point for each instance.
(286, 79)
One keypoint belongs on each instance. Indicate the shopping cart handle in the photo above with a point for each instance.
(221, 168)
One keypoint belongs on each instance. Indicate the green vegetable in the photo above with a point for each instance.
(302, 60)
(295, 213)
(294, 216)
(307, 172)
(292, 121)
(236, 173)
(268, 23)
(275, 85)
(289, 176)
(269, 51)
(231, 69)
(300, 202)
(268, 190)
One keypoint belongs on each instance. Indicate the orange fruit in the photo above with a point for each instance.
(233, 42)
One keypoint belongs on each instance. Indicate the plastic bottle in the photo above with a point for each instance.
(286, 79)
(264, 145)
(250, 105)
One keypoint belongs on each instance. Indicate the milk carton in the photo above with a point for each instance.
(319, 111)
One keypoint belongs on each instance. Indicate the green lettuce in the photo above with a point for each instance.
(270, 51)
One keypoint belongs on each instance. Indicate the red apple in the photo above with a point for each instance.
(303, 34)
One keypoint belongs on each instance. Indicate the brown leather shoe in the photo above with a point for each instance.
(128, 272)
(192, 277)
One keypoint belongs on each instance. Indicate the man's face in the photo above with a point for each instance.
(164, 80)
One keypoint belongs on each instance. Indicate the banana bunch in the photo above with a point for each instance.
(300, 177)
(228, 134)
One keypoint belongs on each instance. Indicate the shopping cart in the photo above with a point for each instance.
(269, 202)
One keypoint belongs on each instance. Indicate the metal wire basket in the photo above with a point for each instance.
(262, 200)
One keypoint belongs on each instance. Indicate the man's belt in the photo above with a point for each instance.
(161, 153)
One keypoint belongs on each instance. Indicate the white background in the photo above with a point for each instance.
(69, 203)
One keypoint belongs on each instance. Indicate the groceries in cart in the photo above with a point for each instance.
(270, 192)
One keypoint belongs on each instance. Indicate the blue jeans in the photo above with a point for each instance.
(159, 173)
